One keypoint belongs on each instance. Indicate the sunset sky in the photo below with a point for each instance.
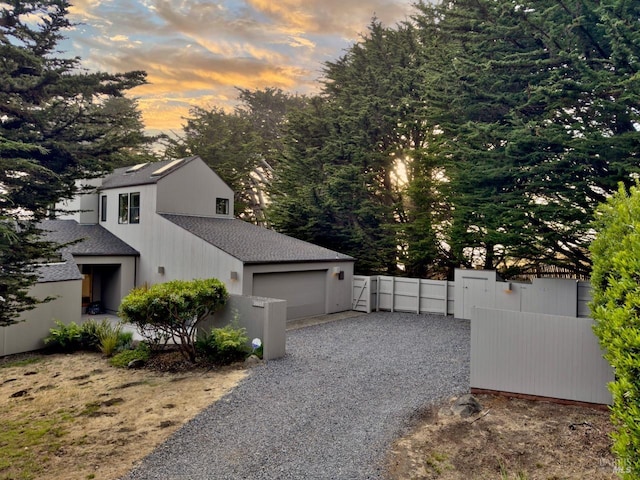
(197, 51)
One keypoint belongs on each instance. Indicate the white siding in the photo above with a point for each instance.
(192, 190)
(184, 256)
(161, 243)
(135, 234)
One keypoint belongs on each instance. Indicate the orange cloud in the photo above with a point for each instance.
(196, 52)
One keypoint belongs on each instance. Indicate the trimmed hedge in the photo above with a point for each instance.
(173, 310)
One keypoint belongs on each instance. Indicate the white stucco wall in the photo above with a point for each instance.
(28, 335)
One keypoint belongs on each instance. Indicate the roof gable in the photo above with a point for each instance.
(252, 244)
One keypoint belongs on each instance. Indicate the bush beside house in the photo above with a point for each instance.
(173, 310)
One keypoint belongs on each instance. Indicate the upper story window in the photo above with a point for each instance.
(129, 207)
(103, 208)
(222, 206)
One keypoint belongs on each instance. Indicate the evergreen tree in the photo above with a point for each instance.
(320, 193)
(56, 125)
(227, 143)
(368, 126)
(537, 109)
(243, 147)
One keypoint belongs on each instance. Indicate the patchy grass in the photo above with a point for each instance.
(76, 417)
(21, 362)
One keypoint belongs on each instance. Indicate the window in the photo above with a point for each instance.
(222, 206)
(103, 208)
(134, 208)
(129, 208)
(123, 208)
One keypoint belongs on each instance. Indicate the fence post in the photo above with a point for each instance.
(446, 298)
(393, 293)
(418, 297)
(378, 293)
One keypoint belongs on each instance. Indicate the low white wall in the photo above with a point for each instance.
(264, 318)
(537, 354)
(29, 334)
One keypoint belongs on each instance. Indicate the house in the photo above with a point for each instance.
(169, 220)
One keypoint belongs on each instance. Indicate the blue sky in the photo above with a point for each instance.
(197, 51)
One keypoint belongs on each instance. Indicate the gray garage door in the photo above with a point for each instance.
(305, 292)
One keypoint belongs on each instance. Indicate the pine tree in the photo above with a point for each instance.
(537, 107)
(368, 127)
(56, 125)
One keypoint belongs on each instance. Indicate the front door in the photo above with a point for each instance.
(87, 283)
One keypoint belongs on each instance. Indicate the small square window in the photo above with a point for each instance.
(222, 206)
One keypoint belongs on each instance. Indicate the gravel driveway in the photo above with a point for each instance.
(329, 409)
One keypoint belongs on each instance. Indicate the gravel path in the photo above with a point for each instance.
(329, 409)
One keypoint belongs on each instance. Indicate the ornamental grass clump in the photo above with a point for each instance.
(173, 310)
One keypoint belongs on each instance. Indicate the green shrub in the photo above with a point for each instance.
(122, 359)
(91, 335)
(615, 307)
(224, 345)
(173, 310)
(64, 338)
(125, 340)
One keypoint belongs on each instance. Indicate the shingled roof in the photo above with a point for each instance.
(96, 240)
(142, 174)
(252, 244)
(65, 270)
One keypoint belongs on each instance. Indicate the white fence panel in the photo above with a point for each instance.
(537, 354)
(386, 287)
(400, 294)
(553, 296)
(435, 297)
(364, 289)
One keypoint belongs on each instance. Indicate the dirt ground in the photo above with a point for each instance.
(76, 417)
(508, 439)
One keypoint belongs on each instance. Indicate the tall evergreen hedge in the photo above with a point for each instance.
(616, 309)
